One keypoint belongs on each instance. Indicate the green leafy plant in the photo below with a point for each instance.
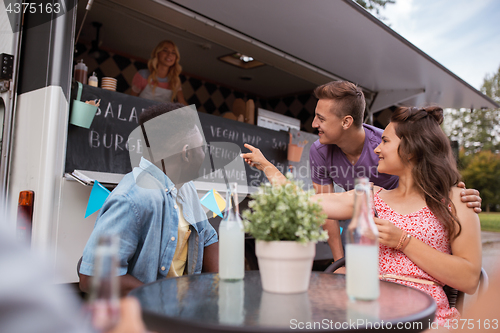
(284, 212)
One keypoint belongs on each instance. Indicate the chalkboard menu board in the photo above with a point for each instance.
(104, 147)
(273, 144)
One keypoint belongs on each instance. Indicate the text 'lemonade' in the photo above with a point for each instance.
(362, 273)
(231, 239)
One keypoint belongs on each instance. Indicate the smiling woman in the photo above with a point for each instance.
(160, 82)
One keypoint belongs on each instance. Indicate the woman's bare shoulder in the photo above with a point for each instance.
(455, 196)
(461, 207)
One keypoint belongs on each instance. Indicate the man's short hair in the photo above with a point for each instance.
(349, 97)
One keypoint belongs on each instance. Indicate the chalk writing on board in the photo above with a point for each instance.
(105, 146)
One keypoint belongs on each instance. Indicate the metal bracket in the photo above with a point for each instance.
(6, 71)
(6, 66)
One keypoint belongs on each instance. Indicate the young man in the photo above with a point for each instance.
(345, 150)
(155, 209)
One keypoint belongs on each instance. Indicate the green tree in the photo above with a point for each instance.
(477, 129)
(483, 173)
(478, 133)
(491, 86)
(374, 6)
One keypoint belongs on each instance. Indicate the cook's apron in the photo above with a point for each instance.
(159, 95)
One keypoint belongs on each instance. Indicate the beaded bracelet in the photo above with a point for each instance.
(401, 240)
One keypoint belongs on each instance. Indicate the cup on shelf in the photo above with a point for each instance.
(294, 152)
(108, 83)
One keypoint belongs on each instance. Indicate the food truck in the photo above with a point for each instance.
(272, 53)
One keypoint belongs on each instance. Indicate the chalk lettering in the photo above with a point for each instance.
(133, 115)
(231, 174)
(254, 140)
(215, 131)
(114, 141)
(106, 135)
(120, 113)
(278, 144)
(109, 110)
(221, 153)
(94, 139)
(228, 134)
(118, 141)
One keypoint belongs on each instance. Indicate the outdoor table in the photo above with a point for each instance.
(204, 303)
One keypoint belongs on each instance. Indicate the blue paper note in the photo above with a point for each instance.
(97, 197)
(209, 200)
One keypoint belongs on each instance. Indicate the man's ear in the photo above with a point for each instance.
(185, 153)
(347, 122)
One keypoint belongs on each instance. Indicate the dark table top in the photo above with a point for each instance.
(204, 303)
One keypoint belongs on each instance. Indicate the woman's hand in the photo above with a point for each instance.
(255, 158)
(388, 234)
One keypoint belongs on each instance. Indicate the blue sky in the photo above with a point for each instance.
(462, 35)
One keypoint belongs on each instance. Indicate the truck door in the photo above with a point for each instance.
(39, 37)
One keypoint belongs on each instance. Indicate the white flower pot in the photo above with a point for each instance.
(285, 266)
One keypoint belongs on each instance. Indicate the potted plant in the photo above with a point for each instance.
(286, 227)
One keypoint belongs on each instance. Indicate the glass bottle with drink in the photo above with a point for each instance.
(231, 302)
(362, 273)
(104, 302)
(231, 239)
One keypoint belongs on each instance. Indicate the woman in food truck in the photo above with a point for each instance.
(160, 82)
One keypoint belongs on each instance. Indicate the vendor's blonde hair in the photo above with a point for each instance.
(173, 72)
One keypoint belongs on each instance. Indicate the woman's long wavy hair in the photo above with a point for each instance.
(435, 171)
(173, 72)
